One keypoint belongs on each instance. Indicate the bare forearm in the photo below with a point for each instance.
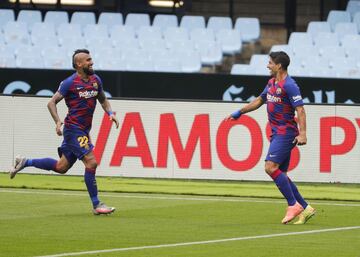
(252, 106)
(53, 111)
(106, 106)
(301, 115)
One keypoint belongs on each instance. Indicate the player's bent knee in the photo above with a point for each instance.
(270, 168)
(91, 165)
(61, 168)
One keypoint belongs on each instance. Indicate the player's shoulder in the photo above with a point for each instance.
(66, 84)
(69, 80)
(97, 78)
(290, 82)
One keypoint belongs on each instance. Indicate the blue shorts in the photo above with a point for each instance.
(75, 145)
(280, 151)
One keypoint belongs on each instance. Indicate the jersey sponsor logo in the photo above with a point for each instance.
(273, 99)
(88, 94)
(297, 98)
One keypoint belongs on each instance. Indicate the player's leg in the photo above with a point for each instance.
(281, 181)
(308, 211)
(90, 163)
(279, 152)
(59, 166)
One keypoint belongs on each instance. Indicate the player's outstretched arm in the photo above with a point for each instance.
(57, 97)
(252, 106)
(105, 104)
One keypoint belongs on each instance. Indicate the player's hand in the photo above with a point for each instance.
(234, 116)
(228, 118)
(300, 140)
(59, 128)
(114, 119)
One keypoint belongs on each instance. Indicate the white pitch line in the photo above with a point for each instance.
(202, 242)
(121, 195)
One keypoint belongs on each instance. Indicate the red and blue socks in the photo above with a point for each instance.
(44, 163)
(91, 185)
(282, 182)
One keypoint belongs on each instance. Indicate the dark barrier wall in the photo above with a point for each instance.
(180, 85)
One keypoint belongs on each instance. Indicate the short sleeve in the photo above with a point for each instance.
(293, 92)
(100, 84)
(264, 93)
(64, 87)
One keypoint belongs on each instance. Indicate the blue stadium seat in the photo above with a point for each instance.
(96, 33)
(167, 65)
(110, 19)
(301, 51)
(7, 62)
(29, 62)
(350, 41)
(356, 20)
(300, 38)
(56, 17)
(210, 53)
(83, 18)
(218, 23)
(43, 34)
(16, 33)
(249, 29)
(192, 22)
(336, 16)
(315, 27)
(29, 17)
(178, 34)
(353, 7)
(241, 69)
(345, 28)
(137, 20)
(111, 64)
(229, 40)
(149, 32)
(149, 44)
(6, 15)
(189, 59)
(139, 64)
(122, 32)
(326, 39)
(164, 21)
(202, 35)
(175, 44)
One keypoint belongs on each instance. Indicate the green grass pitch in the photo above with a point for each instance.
(178, 219)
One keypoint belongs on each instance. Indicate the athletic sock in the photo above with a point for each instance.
(44, 163)
(282, 182)
(91, 186)
(297, 194)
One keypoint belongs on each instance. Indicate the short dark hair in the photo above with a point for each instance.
(77, 51)
(280, 57)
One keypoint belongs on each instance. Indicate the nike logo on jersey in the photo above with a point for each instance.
(79, 88)
(272, 155)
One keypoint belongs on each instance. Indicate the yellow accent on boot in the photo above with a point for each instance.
(305, 215)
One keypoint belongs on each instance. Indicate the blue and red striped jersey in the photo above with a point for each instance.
(80, 98)
(281, 99)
